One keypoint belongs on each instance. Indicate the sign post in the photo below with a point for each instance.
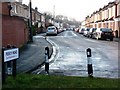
(9, 57)
(9, 63)
(11, 54)
(3, 67)
(14, 68)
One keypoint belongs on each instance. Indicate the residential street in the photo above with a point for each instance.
(71, 59)
(60, 38)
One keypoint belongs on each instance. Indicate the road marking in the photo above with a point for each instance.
(38, 37)
(73, 34)
(55, 53)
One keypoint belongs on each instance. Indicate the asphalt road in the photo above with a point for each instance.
(71, 58)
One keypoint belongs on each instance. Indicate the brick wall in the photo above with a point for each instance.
(14, 30)
(5, 9)
(0, 8)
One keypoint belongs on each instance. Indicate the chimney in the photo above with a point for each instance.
(36, 9)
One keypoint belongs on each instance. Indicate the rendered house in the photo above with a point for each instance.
(117, 18)
(106, 17)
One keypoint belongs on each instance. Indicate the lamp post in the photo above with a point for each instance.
(30, 22)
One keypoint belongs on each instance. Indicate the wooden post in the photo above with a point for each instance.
(3, 67)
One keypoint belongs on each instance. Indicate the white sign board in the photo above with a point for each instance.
(11, 54)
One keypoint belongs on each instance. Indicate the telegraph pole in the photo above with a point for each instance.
(54, 11)
(54, 14)
(30, 22)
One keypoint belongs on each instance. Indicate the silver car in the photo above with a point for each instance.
(86, 32)
(51, 30)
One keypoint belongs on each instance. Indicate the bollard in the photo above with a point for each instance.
(47, 60)
(89, 63)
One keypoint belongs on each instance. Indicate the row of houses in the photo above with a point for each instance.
(15, 16)
(106, 17)
(22, 10)
(15, 23)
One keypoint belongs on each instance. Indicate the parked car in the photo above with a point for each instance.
(81, 31)
(90, 32)
(86, 32)
(77, 30)
(51, 30)
(64, 29)
(60, 30)
(103, 33)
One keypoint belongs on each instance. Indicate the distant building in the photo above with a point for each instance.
(82, 24)
(72, 26)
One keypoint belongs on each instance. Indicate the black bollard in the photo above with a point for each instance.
(89, 63)
(47, 60)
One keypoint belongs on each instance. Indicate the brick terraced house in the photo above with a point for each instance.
(106, 17)
(15, 30)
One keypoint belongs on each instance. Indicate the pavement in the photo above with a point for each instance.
(116, 39)
(33, 54)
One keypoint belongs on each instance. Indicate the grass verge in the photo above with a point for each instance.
(51, 81)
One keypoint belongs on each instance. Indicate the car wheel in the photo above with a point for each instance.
(111, 39)
(92, 36)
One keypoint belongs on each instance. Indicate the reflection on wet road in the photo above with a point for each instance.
(72, 60)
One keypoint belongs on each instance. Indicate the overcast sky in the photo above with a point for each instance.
(77, 9)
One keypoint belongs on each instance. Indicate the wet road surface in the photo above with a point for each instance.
(71, 58)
